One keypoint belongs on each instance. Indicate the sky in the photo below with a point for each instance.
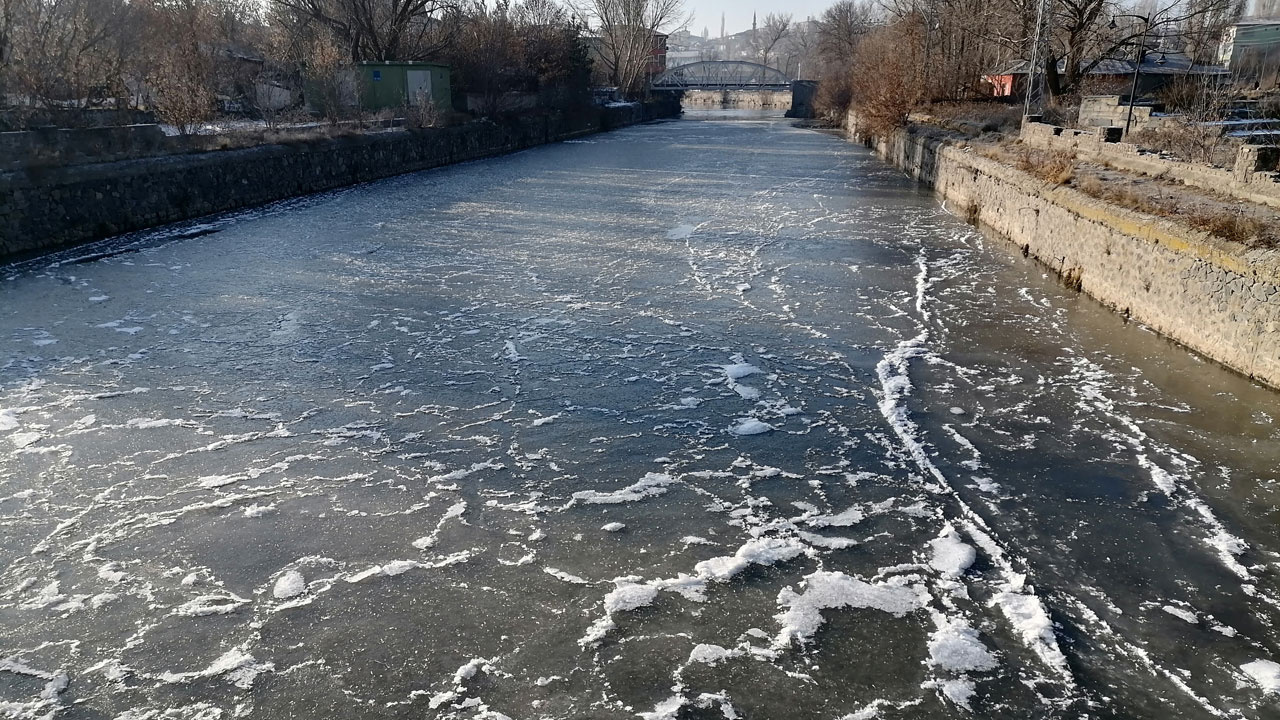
(738, 12)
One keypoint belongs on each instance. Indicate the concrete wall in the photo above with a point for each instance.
(742, 99)
(1255, 177)
(1218, 298)
(1110, 111)
(44, 208)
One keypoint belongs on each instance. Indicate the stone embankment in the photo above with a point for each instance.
(739, 99)
(45, 207)
(1255, 177)
(1219, 298)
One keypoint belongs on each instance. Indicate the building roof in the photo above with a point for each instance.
(1174, 64)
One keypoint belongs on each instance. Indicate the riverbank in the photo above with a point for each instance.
(46, 208)
(1216, 297)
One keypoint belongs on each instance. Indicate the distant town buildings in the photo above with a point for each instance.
(1251, 50)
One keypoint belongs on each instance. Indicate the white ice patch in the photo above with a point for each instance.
(151, 424)
(951, 555)
(761, 551)
(25, 439)
(8, 420)
(217, 481)
(239, 667)
(1030, 619)
(651, 485)
(207, 605)
(400, 567)
(614, 527)
(257, 511)
(739, 370)
(668, 709)
(510, 353)
(466, 473)
(681, 232)
(289, 585)
(834, 590)
(44, 705)
(750, 426)
(955, 647)
(629, 594)
(566, 577)
(1265, 673)
(712, 654)
(849, 517)
(1184, 615)
(457, 510)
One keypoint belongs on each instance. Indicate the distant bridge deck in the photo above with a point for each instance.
(723, 75)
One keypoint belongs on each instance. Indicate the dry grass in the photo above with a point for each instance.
(1236, 227)
(1225, 222)
(1055, 167)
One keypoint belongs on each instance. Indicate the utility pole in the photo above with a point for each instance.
(1137, 66)
(1033, 74)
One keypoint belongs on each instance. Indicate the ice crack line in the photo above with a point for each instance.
(1018, 602)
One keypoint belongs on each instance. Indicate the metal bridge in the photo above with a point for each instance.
(722, 75)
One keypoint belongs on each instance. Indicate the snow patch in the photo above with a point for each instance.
(761, 551)
(289, 585)
(651, 485)
(1265, 673)
(827, 590)
(750, 426)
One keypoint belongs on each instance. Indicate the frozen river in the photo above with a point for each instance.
(714, 418)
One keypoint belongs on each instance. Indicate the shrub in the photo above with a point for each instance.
(887, 83)
(1190, 141)
(421, 113)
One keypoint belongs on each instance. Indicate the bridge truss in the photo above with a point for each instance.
(722, 75)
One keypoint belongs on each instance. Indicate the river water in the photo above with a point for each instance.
(712, 418)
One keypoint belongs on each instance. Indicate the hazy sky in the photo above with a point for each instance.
(738, 12)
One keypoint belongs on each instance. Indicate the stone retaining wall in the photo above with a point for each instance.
(1218, 298)
(44, 208)
(1255, 177)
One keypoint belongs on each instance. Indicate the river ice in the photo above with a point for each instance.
(714, 418)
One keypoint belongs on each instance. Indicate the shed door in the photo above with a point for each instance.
(419, 85)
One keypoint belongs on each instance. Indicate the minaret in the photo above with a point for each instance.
(753, 23)
(721, 26)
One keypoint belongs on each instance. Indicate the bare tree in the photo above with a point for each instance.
(1083, 37)
(179, 69)
(886, 82)
(776, 28)
(69, 53)
(840, 30)
(383, 30)
(486, 56)
(626, 30)
(842, 26)
(799, 55)
(1201, 32)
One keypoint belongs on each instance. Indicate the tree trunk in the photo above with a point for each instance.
(1052, 81)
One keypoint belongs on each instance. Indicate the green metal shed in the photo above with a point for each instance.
(395, 84)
